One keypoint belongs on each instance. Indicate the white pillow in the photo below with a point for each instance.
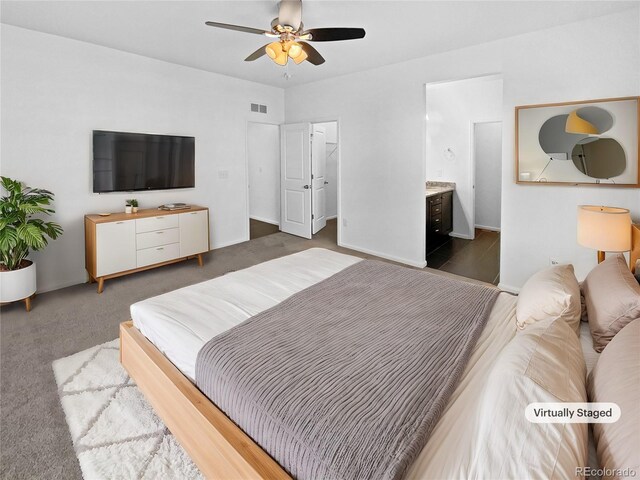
(551, 293)
(543, 363)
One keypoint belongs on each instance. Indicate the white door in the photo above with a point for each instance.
(488, 174)
(115, 247)
(295, 179)
(319, 178)
(194, 232)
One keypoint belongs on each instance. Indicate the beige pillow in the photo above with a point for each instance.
(613, 299)
(542, 363)
(551, 293)
(616, 378)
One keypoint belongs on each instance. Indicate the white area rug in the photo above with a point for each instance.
(115, 432)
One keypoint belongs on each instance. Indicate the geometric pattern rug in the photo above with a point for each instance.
(115, 432)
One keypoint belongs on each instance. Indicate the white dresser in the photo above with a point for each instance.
(120, 244)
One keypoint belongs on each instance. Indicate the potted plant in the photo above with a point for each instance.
(134, 205)
(20, 234)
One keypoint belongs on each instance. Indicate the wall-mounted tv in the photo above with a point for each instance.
(125, 162)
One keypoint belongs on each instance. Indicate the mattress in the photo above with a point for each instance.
(180, 322)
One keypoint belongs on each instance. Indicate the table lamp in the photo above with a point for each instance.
(605, 229)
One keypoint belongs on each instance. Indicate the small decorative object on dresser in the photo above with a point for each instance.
(20, 234)
(134, 205)
(128, 208)
(122, 244)
(605, 229)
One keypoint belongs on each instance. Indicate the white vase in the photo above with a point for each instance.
(134, 209)
(18, 284)
(128, 209)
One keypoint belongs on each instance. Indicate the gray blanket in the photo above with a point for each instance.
(346, 379)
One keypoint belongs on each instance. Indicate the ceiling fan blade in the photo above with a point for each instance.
(290, 13)
(334, 34)
(257, 54)
(313, 56)
(238, 28)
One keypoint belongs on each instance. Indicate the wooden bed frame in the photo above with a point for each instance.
(218, 446)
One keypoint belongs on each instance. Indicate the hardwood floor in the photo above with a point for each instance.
(259, 229)
(478, 258)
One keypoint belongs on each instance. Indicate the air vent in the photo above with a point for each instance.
(257, 108)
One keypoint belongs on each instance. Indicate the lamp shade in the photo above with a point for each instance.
(606, 229)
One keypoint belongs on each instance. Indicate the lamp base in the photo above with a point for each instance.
(600, 256)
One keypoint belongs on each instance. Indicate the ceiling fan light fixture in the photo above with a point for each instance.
(295, 49)
(274, 49)
(300, 58)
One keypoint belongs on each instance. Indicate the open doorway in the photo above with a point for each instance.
(263, 172)
(464, 161)
(328, 170)
(308, 180)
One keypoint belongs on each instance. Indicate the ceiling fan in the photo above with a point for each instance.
(292, 37)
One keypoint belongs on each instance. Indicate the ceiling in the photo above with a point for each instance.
(174, 31)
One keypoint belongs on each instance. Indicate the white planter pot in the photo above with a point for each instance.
(17, 284)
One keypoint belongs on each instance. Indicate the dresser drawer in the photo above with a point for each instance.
(435, 209)
(157, 238)
(149, 256)
(436, 223)
(161, 222)
(436, 199)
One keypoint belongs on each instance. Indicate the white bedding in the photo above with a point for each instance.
(179, 323)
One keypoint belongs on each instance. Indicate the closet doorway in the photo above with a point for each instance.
(263, 175)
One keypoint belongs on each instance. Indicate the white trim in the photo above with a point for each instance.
(508, 288)
(412, 263)
(63, 285)
(264, 220)
(332, 217)
(227, 244)
(484, 227)
(461, 235)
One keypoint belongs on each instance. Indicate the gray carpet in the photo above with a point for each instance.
(35, 441)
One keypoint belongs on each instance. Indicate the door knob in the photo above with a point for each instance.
(326, 183)
(306, 187)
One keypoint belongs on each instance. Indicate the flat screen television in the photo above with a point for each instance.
(125, 162)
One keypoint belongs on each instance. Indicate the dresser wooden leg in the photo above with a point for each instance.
(200, 262)
(100, 284)
(27, 303)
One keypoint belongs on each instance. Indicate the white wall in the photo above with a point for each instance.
(263, 158)
(452, 108)
(382, 135)
(331, 129)
(55, 91)
(487, 140)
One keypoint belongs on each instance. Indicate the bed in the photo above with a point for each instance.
(160, 345)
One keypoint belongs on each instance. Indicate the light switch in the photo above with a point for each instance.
(223, 174)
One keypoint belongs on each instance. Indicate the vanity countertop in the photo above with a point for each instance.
(437, 188)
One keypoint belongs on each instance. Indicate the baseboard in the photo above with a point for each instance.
(61, 286)
(492, 229)
(227, 244)
(460, 235)
(332, 217)
(509, 288)
(384, 255)
(260, 219)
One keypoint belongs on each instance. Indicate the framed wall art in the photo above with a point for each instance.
(594, 142)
